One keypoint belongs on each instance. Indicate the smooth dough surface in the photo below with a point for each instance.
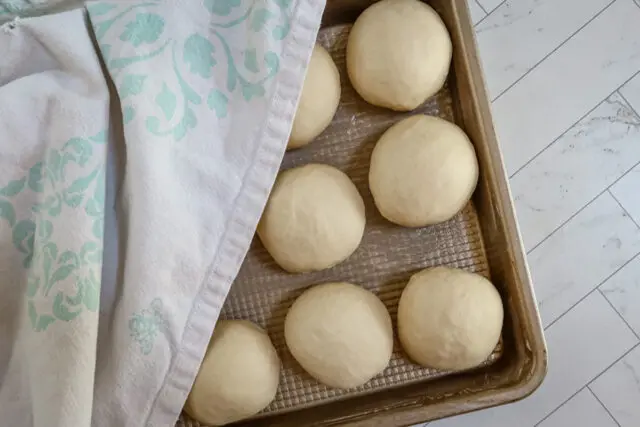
(449, 318)
(318, 101)
(238, 376)
(398, 54)
(340, 334)
(423, 171)
(314, 218)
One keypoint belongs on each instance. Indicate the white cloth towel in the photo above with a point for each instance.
(166, 121)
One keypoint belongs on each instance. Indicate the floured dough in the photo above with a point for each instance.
(318, 101)
(238, 376)
(423, 171)
(313, 220)
(340, 334)
(398, 54)
(449, 318)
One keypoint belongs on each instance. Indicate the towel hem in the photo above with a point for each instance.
(248, 206)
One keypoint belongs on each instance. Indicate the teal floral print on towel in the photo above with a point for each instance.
(145, 325)
(146, 28)
(63, 274)
(221, 7)
(198, 53)
(18, 7)
(202, 72)
(10, 9)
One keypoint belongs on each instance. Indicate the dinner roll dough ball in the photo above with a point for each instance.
(398, 54)
(340, 334)
(423, 171)
(313, 220)
(449, 318)
(318, 101)
(238, 376)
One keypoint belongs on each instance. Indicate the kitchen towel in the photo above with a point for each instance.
(138, 143)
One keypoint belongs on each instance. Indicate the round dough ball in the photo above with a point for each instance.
(340, 333)
(313, 220)
(318, 101)
(398, 54)
(238, 376)
(423, 171)
(449, 318)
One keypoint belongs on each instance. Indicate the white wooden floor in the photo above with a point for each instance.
(564, 79)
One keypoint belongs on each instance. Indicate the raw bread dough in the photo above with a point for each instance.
(313, 220)
(398, 54)
(449, 318)
(238, 376)
(423, 171)
(340, 334)
(318, 101)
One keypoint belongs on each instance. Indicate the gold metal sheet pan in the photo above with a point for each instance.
(483, 238)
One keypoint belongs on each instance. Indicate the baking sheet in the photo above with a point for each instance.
(387, 257)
